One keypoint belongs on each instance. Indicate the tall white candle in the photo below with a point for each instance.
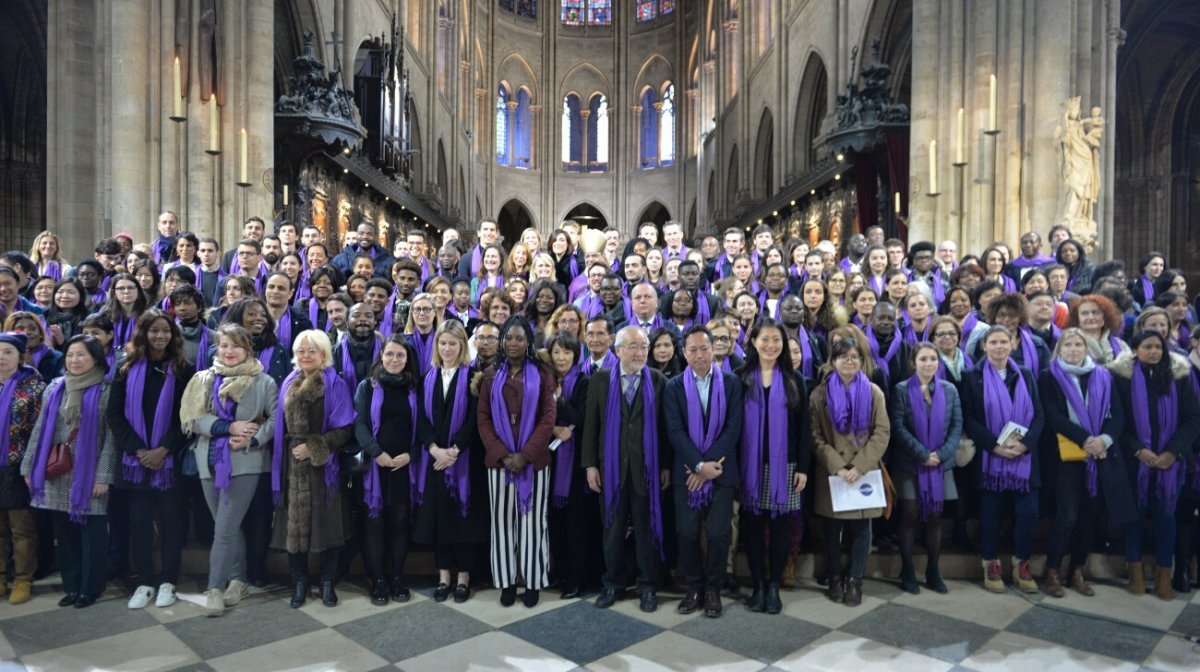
(992, 105)
(933, 189)
(960, 150)
(214, 125)
(177, 105)
(897, 203)
(285, 195)
(244, 174)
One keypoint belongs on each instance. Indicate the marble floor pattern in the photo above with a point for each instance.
(968, 629)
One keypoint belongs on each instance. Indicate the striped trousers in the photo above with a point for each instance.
(520, 541)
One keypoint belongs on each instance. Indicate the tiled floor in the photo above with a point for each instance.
(968, 629)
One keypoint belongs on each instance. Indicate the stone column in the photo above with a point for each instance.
(1051, 86)
(126, 101)
(923, 127)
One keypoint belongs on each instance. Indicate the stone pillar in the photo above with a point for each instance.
(923, 127)
(127, 100)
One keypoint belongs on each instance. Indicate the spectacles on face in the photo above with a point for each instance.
(945, 334)
(637, 347)
(125, 288)
(722, 339)
(483, 338)
(422, 309)
(850, 359)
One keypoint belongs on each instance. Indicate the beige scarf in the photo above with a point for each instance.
(196, 398)
(72, 404)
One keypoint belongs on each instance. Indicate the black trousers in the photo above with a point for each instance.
(754, 537)
(118, 531)
(145, 507)
(630, 505)
(82, 553)
(1075, 517)
(257, 528)
(386, 536)
(715, 518)
(575, 554)
(298, 566)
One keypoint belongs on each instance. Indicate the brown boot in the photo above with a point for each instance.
(1162, 583)
(1137, 579)
(21, 593)
(1079, 583)
(789, 573)
(1052, 584)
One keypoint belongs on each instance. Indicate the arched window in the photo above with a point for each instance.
(522, 122)
(649, 131)
(666, 128)
(525, 8)
(502, 156)
(647, 10)
(598, 134)
(587, 12)
(572, 134)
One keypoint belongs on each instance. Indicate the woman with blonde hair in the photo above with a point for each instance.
(46, 253)
(519, 261)
(420, 329)
(313, 421)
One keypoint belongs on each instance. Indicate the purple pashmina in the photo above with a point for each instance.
(135, 386)
(763, 405)
(999, 408)
(339, 412)
(702, 438)
(1090, 413)
(1168, 480)
(611, 469)
(372, 486)
(929, 426)
(532, 380)
(564, 457)
(222, 466)
(457, 477)
(84, 456)
(850, 406)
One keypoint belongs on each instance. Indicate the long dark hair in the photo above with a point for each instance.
(1158, 377)
(93, 347)
(112, 307)
(411, 373)
(530, 311)
(80, 311)
(673, 367)
(139, 345)
(237, 313)
(823, 318)
(784, 363)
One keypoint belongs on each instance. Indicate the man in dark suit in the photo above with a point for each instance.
(628, 443)
(703, 411)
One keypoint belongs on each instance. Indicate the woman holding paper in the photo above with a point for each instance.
(1088, 417)
(1004, 418)
(1163, 424)
(927, 418)
(850, 434)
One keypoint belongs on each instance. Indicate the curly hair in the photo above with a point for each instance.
(1114, 321)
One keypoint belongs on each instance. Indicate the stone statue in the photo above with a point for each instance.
(1078, 141)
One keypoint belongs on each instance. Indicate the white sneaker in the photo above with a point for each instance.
(235, 592)
(214, 602)
(166, 595)
(141, 597)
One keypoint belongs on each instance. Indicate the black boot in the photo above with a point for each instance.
(299, 594)
(774, 603)
(908, 579)
(1180, 581)
(329, 598)
(757, 602)
(379, 592)
(298, 569)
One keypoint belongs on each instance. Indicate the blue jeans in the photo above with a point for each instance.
(1025, 513)
(1162, 519)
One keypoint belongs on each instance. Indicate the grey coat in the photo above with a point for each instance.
(257, 404)
(58, 490)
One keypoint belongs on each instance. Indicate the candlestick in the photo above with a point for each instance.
(961, 139)
(214, 126)
(992, 128)
(244, 173)
(177, 90)
(896, 203)
(933, 185)
(285, 195)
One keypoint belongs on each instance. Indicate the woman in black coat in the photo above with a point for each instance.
(385, 406)
(452, 510)
(575, 511)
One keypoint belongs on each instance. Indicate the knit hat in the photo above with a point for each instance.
(15, 339)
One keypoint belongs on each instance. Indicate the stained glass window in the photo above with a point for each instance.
(572, 12)
(665, 7)
(587, 12)
(666, 128)
(525, 8)
(502, 157)
(600, 12)
(647, 10)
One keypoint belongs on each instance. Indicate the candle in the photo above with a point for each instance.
(897, 202)
(214, 125)
(178, 91)
(285, 195)
(960, 151)
(244, 174)
(933, 167)
(992, 104)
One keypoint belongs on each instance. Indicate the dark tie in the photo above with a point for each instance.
(630, 388)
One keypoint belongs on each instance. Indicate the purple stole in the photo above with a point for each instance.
(283, 329)
(532, 382)
(935, 284)
(372, 485)
(1024, 262)
(219, 447)
(1029, 353)
(910, 332)
(703, 313)
(850, 407)
(84, 457)
(463, 316)
(339, 412)
(876, 284)
(123, 330)
(700, 436)
(590, 304)
(762, 304)
(610, 360)
(265, 357)
(7, 392)
(1147, 288)
(564, 457)
(611, 468)
(476, 260)
(884, 360)
(349, 375)
(669, 255)
(578, 286)
(1089, 413)
(968, 327)
(50, 269)
(458, 477)
(929, 426)
(424, 346)
(807, 365)
(36, 355)
(1168, 481)
(314, 314)
(762, 404)
(132, 468)
(162, 249)
(999, 408)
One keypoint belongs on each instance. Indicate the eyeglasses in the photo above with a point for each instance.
(637, 347)
(392, 356)
(721, 339)
(945, 334)
(483, 338)
(422, 309)
(849, 359)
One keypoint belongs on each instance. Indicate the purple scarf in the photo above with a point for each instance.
(85, 455)
(283, 328)
(424, 346)
(564, 457)
(610, 361)
(702, 438)
(612, 457)
(349, 374)
(761, 405)
(703, 313)
(162, 479)
(36, 355)
(476, 260)
(850, 407)
(123, 330)
(877, 285)
(372, 486)
(51, 269)
(6, 398)
(265, 358)
(968, 327)
(458, 477)
(807, 366)
(532, 380)
(339, 412)
(1029, 353)
(1001, 473)
(1090, 413)
(314, 315)
(1168, 480)
(884, 361)
(929, 426)
(222, 466)
(910, 332)
(1147, 289)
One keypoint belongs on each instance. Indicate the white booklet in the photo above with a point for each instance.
(865, 493)
(1012, 434)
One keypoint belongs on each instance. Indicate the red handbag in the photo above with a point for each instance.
(59, 460)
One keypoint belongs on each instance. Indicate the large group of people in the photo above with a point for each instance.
(531, 412)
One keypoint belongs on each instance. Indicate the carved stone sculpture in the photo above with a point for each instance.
(1078, 141)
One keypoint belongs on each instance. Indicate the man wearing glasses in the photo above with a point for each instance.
(589, 302)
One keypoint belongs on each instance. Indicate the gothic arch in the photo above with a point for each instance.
(812, 106)
(654, 212)
(764, 156)
(586, 213)
(584, 80)
(655, 70)
(731, 180)
(890, 21)
(443, 173)
(513, 218)
(515, 70)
